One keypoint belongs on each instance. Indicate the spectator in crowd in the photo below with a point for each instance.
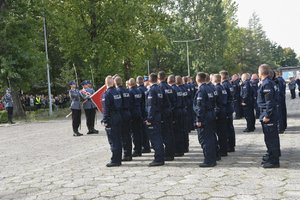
(292, 87)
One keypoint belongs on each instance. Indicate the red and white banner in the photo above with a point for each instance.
(97, 98)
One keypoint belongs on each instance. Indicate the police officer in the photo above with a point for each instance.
(126, 118)
(180, 84)
(266, 102)
(282, 112)
(254, 84)
(167, 118)
(205, 121)
(8, 104)
(292, 87)
(298, 84)
(221, 103)
(145, 140)
(247, 99)
(178, 118)
(235, 82)
(189, 106)
(212, 98)
(88, 106)
(193, 87)
(153, 120)
(137, 121)
(229, 109)
(112, 120)
(75, 108)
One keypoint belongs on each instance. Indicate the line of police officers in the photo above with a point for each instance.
(168, 108)
(167, 111)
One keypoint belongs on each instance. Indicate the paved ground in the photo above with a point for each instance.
(44, 161)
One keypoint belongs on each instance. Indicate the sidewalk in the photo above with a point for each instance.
(44, 161)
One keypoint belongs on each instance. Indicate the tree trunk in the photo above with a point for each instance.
(18, 108)
(93, 18)
(127, 69)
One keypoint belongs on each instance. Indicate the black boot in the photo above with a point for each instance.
(76, 134)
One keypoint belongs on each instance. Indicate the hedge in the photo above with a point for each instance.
(3, 116)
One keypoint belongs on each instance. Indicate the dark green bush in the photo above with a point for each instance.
(3, 116)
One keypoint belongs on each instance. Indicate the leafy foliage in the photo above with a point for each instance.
(104, 37)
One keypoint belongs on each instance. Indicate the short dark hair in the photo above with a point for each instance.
(153, 78)
(161, 75)
(201, 77)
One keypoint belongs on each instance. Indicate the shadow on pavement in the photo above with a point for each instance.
(244, 157)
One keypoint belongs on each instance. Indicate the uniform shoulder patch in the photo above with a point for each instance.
(210, 95)
(137, 96)
(117, 96)
(168, 91)
(125, 95)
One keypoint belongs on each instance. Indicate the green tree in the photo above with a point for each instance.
(21, 58)
(289, 58)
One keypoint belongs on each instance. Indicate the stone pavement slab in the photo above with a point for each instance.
(43, 160)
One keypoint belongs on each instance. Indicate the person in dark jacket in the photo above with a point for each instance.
(254, 84)
(292, 87)
(145, 140)
(235, 82)
(221, 117)
(205, 121)
(137, 120)
(154, 98)
(112, 121)
(247, 98)
(126, 118)
(167, 116)
(178, 118)
(298, 84)
(266, 101)
(281, 106)
(8, 104)
(229, 109)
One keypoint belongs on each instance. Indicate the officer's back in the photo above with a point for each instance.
(112, 106)
(126, 100)
(136, 101)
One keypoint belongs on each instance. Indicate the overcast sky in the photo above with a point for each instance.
(280, 19)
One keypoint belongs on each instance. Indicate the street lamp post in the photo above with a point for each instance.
(187, 51)
(47, 64)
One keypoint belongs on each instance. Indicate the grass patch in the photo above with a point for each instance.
(3, 116)
(43, 114)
